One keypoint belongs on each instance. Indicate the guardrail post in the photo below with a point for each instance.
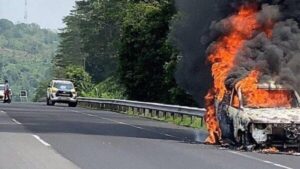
(201, 121)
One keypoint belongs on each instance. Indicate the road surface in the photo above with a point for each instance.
(35, 136)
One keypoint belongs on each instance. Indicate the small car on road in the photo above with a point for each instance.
(61, 91)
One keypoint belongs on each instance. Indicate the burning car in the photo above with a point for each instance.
(272, 120)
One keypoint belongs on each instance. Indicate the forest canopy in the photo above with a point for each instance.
(26, 53)
(125, 47)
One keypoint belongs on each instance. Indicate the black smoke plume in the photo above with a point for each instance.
(192, 36)
(200, 24)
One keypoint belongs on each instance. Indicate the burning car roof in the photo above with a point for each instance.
(273, 86)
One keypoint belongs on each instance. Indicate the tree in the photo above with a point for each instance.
(90, 38)
(25, 55)
(143, 54)
(81, 79)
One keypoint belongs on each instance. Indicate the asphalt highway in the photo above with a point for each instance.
(36, 136)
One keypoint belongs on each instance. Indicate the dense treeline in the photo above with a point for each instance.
(26, 52)
(123, 47)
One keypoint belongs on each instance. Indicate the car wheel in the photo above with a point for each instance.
(239, 138)
(51, 103)
(48, 103)
(244, 141)
(73, 104)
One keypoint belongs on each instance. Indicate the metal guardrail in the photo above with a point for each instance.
(143, 108)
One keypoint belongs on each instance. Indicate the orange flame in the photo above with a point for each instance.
(256, 97)
(271, 150)
(242, 25)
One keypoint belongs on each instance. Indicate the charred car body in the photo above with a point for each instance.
(261, 125)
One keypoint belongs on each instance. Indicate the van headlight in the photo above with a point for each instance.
(54, 90)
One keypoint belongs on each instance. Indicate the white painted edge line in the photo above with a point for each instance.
(16, 121)
(91, 115)
(257, 159)
(119, 122)
(137, 127)
(41, 140)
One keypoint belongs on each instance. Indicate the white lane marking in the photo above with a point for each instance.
(123, 123)
(138, 127)
(257, 159)
(168, 135)
(91, 115)
(41, 140)
(16, 121)
(282, 166)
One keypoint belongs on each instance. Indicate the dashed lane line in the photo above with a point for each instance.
(35, 136)
(41, 140)
(137, 127)
(257, 159)
(16, 121)
(123, 123)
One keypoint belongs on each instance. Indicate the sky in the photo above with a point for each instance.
(46, 13)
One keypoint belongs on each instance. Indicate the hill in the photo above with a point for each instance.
(26, 52)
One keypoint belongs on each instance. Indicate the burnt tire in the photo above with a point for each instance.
(239, 139)
(245, 141)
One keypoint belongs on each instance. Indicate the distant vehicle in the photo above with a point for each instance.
(61, 91)
(261, 125)
(2, 94)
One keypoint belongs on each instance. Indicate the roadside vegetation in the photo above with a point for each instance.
(122, 50)
(26, 53)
